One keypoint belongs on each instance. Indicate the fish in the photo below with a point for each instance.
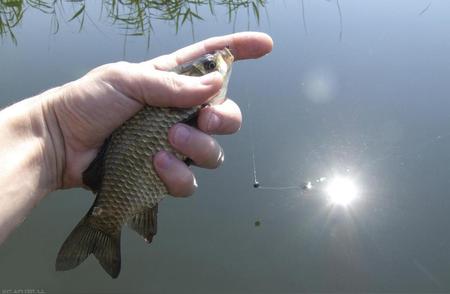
(123, 178)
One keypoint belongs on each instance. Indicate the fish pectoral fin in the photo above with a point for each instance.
(92, 176)
(86, 239)
(145, 223)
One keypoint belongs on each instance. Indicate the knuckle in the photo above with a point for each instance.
(120, 68)
(112, 71)
(116, 67)
(173, 84)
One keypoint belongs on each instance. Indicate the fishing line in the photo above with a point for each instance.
(280, 188)
(256, 183)
(396, 153)
(252, 146)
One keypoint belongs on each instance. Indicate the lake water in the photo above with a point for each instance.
(353, 89)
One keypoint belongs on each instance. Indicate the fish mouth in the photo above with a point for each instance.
(227, 55)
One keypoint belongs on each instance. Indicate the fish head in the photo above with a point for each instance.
(223, 60)
(219, 60)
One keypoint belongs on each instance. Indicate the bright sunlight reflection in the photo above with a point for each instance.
(341, 191)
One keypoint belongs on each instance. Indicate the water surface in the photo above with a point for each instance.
(361, 93)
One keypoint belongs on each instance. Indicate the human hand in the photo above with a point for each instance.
(80, 115)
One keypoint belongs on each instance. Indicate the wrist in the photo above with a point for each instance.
(30, 146)
(28, 160)
(52, 141)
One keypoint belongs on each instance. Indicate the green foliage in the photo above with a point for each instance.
(11, 13)
(134, 16)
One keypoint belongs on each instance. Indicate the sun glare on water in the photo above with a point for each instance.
(342, 191)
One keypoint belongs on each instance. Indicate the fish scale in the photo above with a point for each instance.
(122, 176)
(146, 189)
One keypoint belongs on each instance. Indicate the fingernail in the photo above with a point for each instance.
(181, 135)
(210, 78)
(213, 122)
(164, 160)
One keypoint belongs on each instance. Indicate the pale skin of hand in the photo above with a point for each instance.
(47, 141)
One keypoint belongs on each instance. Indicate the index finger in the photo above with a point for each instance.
(243, 45)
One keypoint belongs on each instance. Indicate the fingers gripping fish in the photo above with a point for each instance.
(122, 176)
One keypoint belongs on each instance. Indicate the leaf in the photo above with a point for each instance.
(186, 14)
(55, 24)
(256, 11)
(12, 3)
(196, 16)
(13, 38)
(78, 12)
(211, 7)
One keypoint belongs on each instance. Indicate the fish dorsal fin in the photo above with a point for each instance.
(145, 223)
(92, 176)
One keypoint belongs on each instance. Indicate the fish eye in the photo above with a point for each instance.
(210, 65)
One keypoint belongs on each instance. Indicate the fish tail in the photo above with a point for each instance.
(86, 239)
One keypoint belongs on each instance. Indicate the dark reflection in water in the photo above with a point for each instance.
(134, 17)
